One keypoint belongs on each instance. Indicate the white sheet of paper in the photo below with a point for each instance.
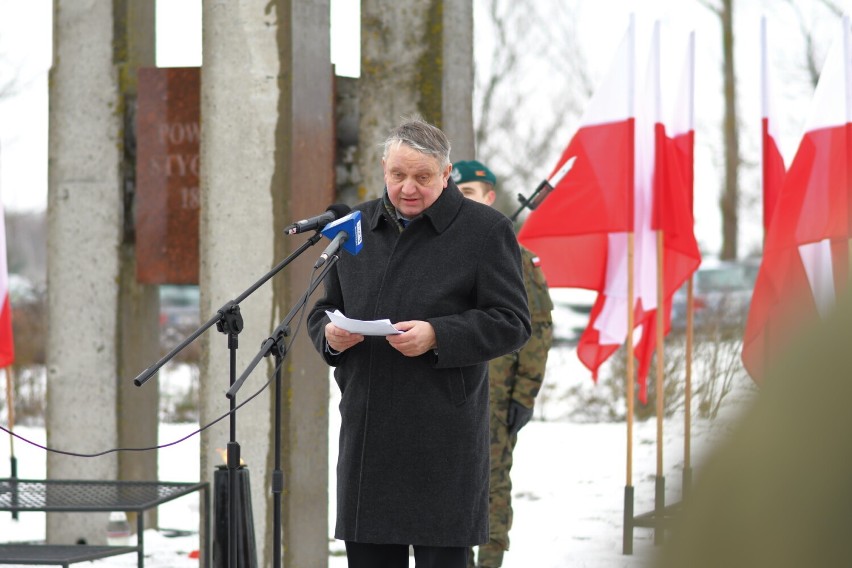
(375, 327)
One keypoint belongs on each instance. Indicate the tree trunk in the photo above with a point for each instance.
(729, 201)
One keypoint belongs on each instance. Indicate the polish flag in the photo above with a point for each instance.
(7, 346)
(805, 259)
(581, 231)
(591, 205)
(772, 162)
(663, 203)
(607, 329)
(569, 230)
(672, 200)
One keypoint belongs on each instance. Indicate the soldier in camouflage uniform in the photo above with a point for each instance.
(515, 379)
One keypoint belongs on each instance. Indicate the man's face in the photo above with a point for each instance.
(478, 191)
(414, 180)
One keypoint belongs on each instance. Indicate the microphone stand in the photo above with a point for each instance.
(228, 321)
(276, 346)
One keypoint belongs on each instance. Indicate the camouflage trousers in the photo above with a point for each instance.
(499, 498)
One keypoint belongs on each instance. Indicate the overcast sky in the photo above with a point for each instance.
(25, 48)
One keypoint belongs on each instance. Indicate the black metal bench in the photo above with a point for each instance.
(80, 496)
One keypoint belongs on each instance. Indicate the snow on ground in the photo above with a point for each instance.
(568, 489)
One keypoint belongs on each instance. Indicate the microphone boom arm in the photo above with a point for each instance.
(220, 314)
(283, 329)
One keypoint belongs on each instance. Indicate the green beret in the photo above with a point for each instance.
(471, 170)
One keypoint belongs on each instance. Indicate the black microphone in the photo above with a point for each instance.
(332, 248)
(334, 212)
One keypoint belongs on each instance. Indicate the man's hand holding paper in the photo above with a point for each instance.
(411, 338)
(339, 339)
(417, 338)
(362, 327)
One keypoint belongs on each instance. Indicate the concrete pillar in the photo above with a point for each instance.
(305, 167)
(457, 77)
(416, 58)
(85, 210)
(266, 159)
(138, 329)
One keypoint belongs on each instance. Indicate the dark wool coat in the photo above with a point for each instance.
(414, 439)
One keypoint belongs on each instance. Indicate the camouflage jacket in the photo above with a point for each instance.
(518, 376)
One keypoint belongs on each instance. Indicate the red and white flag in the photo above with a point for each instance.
(772, 162)
(580, 231)
(672, 200)
(571, 230)
(805, 258)
(7, 345)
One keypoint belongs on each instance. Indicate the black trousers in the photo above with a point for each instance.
(366, 555)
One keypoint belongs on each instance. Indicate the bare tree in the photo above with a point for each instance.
(528, 91)
(833, 6)
(729, 200)
(812, 39)
(811, 64)
(9, 74)
(26, 245)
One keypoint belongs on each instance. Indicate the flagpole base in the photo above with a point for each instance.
(659, 507)
(13, 465)
(627, 544)
(686, 488)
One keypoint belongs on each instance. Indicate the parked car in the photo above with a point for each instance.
(22, 290)
(721, 294)
(571, 308)
(179, 311)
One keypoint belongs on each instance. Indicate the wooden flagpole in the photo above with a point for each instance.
(687, 394)
(630, 252)
(630, 395)
(660, 482)
(10, 406)
(627, 533)
(686, 484)
(627, 544)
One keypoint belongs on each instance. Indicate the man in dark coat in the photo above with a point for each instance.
(414, 438)
(515, 378)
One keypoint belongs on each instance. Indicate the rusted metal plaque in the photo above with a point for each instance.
(168, 133)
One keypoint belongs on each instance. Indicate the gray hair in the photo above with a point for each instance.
(419, 135)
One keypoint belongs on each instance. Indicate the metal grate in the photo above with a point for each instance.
(57, 554)
(81, 495)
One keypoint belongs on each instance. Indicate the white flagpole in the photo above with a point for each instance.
(848, 97)
(764, 110)
(846, 73)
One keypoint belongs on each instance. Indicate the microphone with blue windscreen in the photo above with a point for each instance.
(345, 232)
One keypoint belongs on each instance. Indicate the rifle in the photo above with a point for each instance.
(543, 189)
